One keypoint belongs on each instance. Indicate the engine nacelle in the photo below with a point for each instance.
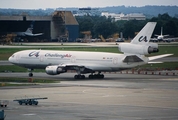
(55, 70)
(153, 45)
(137, 48)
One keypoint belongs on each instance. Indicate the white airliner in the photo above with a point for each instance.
(57, 62)
(162, 38)
(28, 32)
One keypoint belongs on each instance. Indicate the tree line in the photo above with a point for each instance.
(100, 25)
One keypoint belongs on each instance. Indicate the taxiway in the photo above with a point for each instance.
(117, 97)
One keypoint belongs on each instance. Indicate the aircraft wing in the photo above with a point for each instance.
(37, 34)
(86, 67)
(158, 56)
(156, 35)
(170, 39)
(31, 34)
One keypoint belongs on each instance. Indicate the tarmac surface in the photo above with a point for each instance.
(117, 97)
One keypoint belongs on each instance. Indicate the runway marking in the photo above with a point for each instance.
(114, 96)
(30, 114)
(88, 91)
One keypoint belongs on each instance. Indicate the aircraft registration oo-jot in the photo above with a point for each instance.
(57, 62)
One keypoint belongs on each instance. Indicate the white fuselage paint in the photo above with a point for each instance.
(97, 61)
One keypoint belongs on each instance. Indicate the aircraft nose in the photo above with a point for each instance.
(10, 59)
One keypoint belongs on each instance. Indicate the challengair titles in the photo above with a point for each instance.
(57, 55)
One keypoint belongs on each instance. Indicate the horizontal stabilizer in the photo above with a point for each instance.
(132, 58)
(154, 62)
(158, 56)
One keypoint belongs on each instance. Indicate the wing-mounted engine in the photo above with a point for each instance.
(138, 48)
(55, 70)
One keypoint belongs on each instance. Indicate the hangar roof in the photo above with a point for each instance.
(28, 18)
(66, 16)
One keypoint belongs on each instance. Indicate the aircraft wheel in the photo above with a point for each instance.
(30, 103)
(30, 74)
(36, 103)
(20, 103)
(82, 77)
(79, 76)
(90, 76)
(76, 76)
(101, 76)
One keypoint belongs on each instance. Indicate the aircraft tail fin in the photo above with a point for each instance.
(143, 37)
(30, 28)
(161, 30)
(140, 44)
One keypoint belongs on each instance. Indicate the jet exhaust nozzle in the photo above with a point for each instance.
(152, 50)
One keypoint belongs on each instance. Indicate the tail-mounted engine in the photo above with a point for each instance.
(138, 48)
(55, 70)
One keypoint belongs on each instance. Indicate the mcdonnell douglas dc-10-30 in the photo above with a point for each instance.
(57, 62)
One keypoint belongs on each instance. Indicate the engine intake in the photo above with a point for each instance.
(55, 70)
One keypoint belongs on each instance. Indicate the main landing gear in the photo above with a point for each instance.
(96, 76)
(79, 76)
(91, 76)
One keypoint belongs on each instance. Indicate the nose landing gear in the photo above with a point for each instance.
(30, 72)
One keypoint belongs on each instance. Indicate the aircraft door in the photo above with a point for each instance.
(115, 61)
(42, 58)
(73, 59)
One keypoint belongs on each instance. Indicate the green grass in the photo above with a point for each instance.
(167, 50)
(26, 80)
(5, 81)
(165, 65)
(14, 68)
(49, 45)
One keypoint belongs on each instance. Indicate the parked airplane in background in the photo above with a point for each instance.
(57, 62)
(28, 32)
(162, 38)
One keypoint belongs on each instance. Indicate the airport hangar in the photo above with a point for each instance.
(61, 25)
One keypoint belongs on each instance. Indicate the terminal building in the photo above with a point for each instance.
(61, 25)
(132, 16)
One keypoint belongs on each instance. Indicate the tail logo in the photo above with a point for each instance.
(34, 53)
(143, 39)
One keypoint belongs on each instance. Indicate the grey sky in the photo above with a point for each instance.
(36, 4)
